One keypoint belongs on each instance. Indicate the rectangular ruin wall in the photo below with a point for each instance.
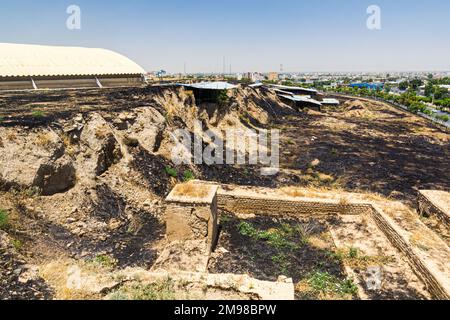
(192, 215)
(434, 286)
(272, 206)
(429, 209)
(192, 221)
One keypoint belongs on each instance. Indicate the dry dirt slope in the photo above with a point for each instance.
(83, 173)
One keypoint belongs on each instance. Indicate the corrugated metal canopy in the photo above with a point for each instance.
(286, 88)
(330, 101)
(20, 60)
(283, 92)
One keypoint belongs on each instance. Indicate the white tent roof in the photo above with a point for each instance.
(20, 60)
(218, 85)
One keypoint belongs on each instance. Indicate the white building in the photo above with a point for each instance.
(45, 67)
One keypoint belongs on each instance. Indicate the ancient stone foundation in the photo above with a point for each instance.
(264, 205)
(191, 214)
(192, 217)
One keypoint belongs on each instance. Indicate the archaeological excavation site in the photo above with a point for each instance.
(93, 205)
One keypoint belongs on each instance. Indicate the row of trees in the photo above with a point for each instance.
(410, 99)
(432, 87)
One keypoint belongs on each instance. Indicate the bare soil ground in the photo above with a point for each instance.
(306, 250)
(266, 248)
(363, 246)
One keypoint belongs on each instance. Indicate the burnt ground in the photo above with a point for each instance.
(381, 150)
(388, 151)
(40, 241)
(130, 244)
(12, 289)
(16, 108)
(266, 248)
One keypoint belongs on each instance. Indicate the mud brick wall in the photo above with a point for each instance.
(192, 221)
(196, 215)
(270, 206)
(273, 206)
(428, 209)
(433, 285)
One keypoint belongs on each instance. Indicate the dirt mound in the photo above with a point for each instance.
(354, 105)
(357, 108)
(34, 159)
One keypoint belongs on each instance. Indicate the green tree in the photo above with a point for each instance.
(415, 83)
(403, 85)
(429, 89)
(440, 93)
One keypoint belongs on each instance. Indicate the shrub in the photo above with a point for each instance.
(444, 118)
(105, 261)
(325, 283)
(38, 113)
(171, 172)
(4, 220)
(222, 97)
(188, 175)
(163, 290)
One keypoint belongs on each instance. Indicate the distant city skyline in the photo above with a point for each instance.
(253, 35)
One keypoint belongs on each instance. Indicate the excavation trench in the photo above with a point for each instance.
(330, 249)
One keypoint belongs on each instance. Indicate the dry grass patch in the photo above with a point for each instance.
(44, 140)
(311, 192)
(334, 124)
(56, 274)
(101, 132)
(322, 241)
(191, 190)
(420, 241)
(11, 136)
(356, 259)
(294, 192)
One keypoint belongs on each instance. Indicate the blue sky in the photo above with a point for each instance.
(253, 35)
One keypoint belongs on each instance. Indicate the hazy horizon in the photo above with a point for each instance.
(330, 36)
